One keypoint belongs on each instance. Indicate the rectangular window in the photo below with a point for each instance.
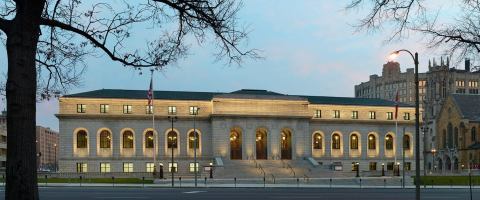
(193, 110)
(318, 113)
(354, 114)
(172, 110)
(104, 167)
(408, 166)
(149, 109)
(149, 167)
(406, 116)
(173, 167)
(127, 167)
(127, 109)
(81, 108)
(104, 108)
(81, 167)
(389, 115)
(336, 114)
(192, 167)
(372, 166)
(390, 166)
(372, 115)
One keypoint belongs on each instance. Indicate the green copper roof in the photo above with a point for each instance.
(207, 96)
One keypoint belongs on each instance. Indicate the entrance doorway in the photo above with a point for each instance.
(235, 144)
(261, 144)
(286, 144)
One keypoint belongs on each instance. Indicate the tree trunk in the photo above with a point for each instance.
(22, 38)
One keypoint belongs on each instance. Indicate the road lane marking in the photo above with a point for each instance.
(121, 197)
(193, 192)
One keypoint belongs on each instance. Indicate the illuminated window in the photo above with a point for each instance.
(81, 167)
(105, 139)
(104, 108)
(389, 115)
(172, 110)
(149, 167)
(354, 114)
(406, 142)
(82, 139)
(389, 142)
(104, 167)
(173, 167)
(353, 141)
(406, 116)
(193, 110)
(127, 109)
(335, 141)
(128, 167)
(192, 167)
(372, 142)
(127, 139)
(372, 115)
(318, 113)
(336, 114)
(81, 108)
(317, 141)
(149, 139)
(172, 139)
(149, 109)
(372, 166)
(193, 140)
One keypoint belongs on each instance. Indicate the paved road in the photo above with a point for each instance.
(69, 193)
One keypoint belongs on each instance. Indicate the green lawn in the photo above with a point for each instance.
(95, 180)
(448, 180)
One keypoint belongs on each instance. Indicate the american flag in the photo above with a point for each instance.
(150, 93)
(396, 104)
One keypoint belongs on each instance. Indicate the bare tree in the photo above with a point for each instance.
(48, 40)
(459, 36)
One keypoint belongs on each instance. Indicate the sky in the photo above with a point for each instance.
(310, 47)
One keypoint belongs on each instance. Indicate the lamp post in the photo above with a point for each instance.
(195, 113)
(357, 169)
(161, 171)
(383, 169)
(172, 168)
(433, 159)
(55, 156)
(211, 170)
(417, 121)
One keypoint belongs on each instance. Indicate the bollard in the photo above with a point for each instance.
(180, 179)
(235, 181)
(143, 181)
(298, 182)
(80, 181)
(205, 181)
(360, 183)
(384, 183)
(401, 183)
(46, 180)
(113, 181)
(330, 183)
(264, 182)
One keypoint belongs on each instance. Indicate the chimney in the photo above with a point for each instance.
(467, 64)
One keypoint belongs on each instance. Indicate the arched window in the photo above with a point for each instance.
(127, 139)
(474, 134)
(449, 135)
(389, 142)
(82, 139)
(444, 139)
(149, 139)
(335, 141)
(105, 139)
(193, 140)
(372, 142)
(317, 141)
(455, 137)
(353, 141)
(406, 142)
(172, 139)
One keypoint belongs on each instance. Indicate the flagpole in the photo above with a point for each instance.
(153, 127)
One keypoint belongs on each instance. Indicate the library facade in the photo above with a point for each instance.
(112, 130)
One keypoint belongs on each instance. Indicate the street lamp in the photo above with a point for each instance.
(383, 169)
(161, 170)
(357, 169)
(433, 159)
(417, 122)
(172, 168)
(211, 170)
(195, 134)
(55, 156)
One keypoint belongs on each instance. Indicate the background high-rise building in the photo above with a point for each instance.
(47, 148)
(435, 86)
